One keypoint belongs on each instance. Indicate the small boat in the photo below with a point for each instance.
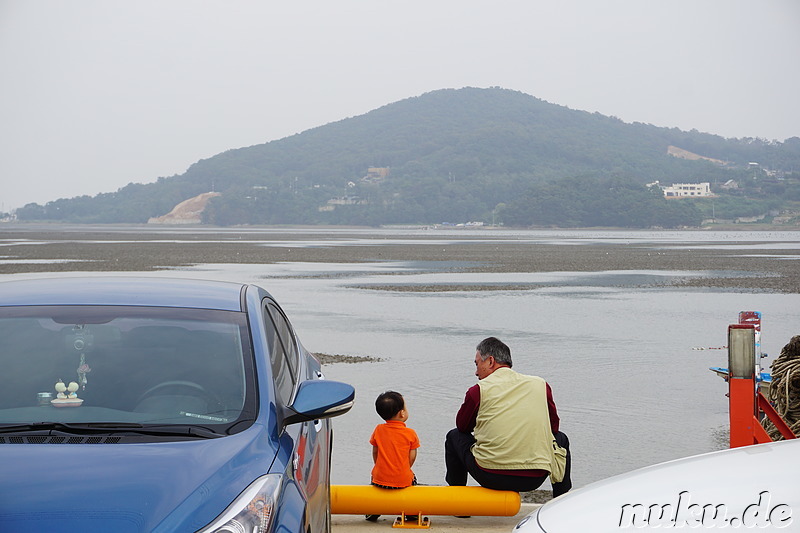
(764, 379)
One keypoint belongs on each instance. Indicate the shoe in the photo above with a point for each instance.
(372, 517)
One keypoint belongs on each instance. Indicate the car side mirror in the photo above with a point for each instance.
(317, 399)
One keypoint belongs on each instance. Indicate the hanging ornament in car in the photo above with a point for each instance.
(83, 369)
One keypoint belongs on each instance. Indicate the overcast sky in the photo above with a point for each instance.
(96, 94)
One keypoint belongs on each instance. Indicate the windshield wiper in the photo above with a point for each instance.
(183, 430)
(107, 428)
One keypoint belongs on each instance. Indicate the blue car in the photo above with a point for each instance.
(159, 405)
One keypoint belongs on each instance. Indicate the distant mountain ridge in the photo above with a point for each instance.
(453, 154)
(460, 132)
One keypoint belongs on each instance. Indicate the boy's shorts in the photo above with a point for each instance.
(413, 482)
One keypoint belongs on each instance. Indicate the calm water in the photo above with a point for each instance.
(630, 384)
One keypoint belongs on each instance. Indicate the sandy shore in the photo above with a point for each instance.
(41, 248)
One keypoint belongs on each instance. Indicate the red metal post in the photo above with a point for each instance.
(742, 412)
(742, 384)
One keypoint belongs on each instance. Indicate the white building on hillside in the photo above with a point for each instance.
(688, 190)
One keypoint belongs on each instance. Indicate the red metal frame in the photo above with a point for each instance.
(746, 427)
(746, 403)
(774, 417)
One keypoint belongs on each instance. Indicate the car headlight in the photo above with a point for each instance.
(252, 511)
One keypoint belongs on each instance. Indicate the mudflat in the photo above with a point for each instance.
(47, 248)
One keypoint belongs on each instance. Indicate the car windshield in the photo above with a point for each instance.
(125, 367)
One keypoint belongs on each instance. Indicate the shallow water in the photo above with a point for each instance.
(628, 363)
(631, 387)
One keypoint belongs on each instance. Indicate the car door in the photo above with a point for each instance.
(310, 439)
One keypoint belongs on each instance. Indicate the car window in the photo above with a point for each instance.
(285, 333)
(281, 370)
(125, 364)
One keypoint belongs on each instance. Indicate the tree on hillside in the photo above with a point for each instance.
(587, 202)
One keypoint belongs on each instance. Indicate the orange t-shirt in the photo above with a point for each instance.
(392, 466)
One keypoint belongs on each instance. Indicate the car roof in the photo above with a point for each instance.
(123, 290)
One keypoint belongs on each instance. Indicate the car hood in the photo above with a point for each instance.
(168, 486)
(753, 483)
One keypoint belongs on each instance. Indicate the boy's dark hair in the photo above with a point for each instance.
(389, 404)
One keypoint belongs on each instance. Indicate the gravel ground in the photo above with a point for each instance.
(124, 248)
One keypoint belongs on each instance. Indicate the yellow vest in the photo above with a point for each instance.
(512, 430)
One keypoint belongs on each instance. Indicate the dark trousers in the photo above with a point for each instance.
(459, 462)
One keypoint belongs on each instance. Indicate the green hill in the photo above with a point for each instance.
(447, 155)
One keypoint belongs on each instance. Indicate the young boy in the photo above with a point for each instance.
(394, 446)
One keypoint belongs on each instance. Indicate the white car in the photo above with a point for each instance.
(752, 487)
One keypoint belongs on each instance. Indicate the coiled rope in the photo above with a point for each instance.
(784, 391)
